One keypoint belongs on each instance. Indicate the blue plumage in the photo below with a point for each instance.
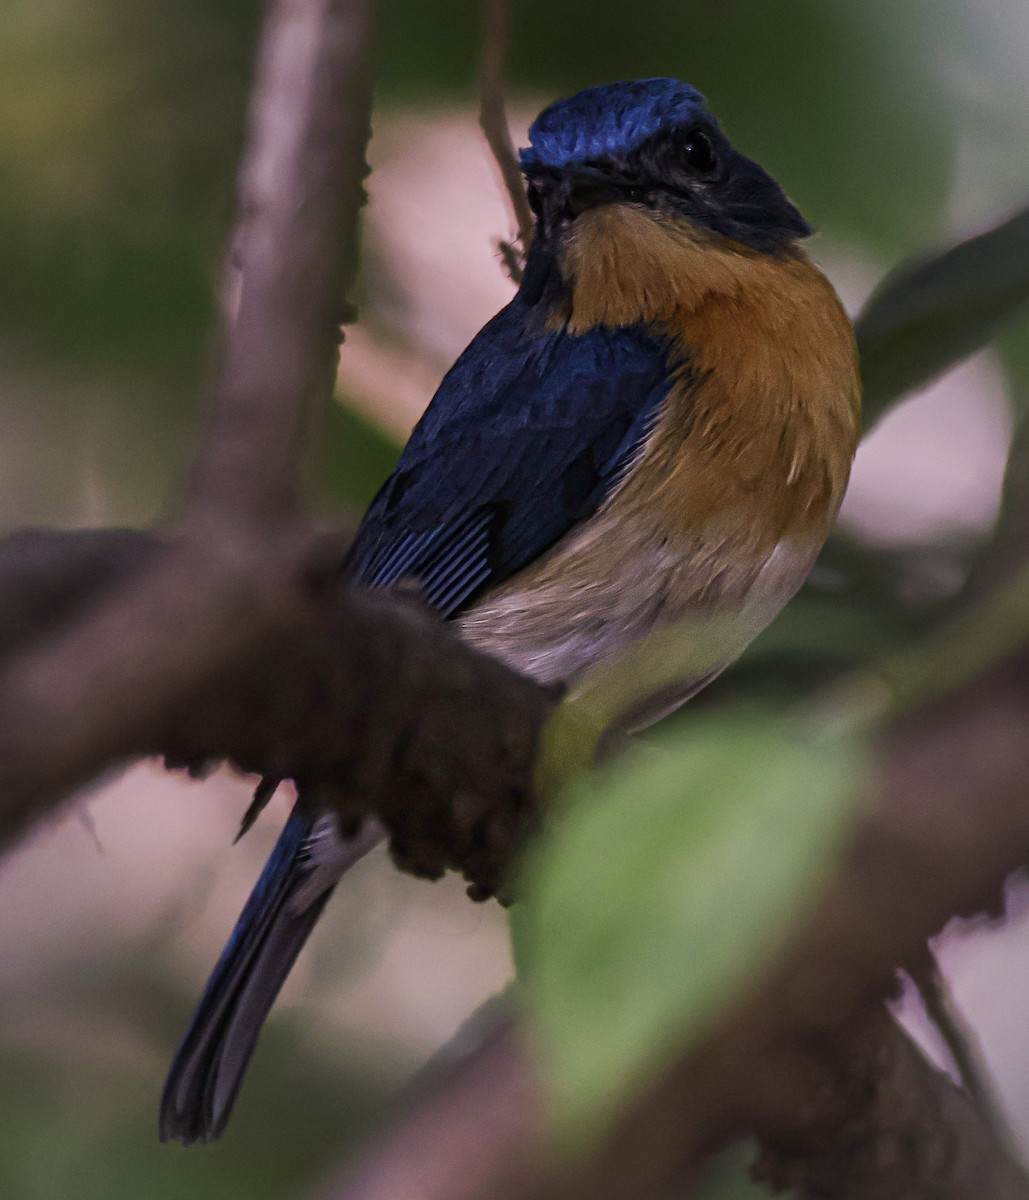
(610, 120)
(652, 142)
(527, 434)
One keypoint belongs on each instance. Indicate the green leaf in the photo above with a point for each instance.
(663, 888)
(927, 316)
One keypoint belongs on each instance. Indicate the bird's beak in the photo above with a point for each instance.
(583, 191)
(566, 194)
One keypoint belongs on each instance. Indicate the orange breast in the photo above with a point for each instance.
(755, 443)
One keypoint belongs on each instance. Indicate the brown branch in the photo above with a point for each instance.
(778, 1065)
(366, 700)
(49, 577)
(493, 122)
(887, 1124)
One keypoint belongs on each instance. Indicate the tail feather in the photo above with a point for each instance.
(209, 1066)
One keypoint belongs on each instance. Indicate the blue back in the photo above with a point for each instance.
(526, 436)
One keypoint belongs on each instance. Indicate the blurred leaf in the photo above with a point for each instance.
(1013, 345)
(1008, 547)
(663, 889)
(925, 317)
(820, 628)
(727, 1176)
(80, 1095)
(120, 125)
(119, 129)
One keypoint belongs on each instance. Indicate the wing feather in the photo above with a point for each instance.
(527, 435)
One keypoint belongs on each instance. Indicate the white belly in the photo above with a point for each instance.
(633, 615)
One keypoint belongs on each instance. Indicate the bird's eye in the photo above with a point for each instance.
(698, 151)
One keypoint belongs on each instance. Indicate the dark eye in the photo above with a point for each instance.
(698, 151)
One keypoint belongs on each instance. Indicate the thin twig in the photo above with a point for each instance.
(493, 121)
(961, 1042)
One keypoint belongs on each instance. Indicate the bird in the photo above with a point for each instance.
(657, 428)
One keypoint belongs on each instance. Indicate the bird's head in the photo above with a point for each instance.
(652, 144)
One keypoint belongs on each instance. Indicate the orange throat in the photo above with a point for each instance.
(756, 440)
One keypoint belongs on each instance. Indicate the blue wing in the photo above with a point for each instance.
(528, 433)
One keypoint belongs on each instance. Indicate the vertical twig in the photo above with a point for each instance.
(300, 192)
(493, 122)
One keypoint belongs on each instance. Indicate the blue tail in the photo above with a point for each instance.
(209, 1066)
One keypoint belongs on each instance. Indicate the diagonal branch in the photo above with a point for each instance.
(367, 700)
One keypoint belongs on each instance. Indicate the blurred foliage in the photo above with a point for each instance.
(925, 317)
(728, 1177)
(120, 125)
(80, 1100)
(354, 458)
(663, 887)
(817, 119)
(1014, 347)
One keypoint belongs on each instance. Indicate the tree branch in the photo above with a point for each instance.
(368, 701)
(887, 1124)
(961, 1042)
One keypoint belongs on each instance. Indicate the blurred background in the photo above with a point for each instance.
(896, 129)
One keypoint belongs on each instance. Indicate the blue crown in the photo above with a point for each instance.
(611, 119)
